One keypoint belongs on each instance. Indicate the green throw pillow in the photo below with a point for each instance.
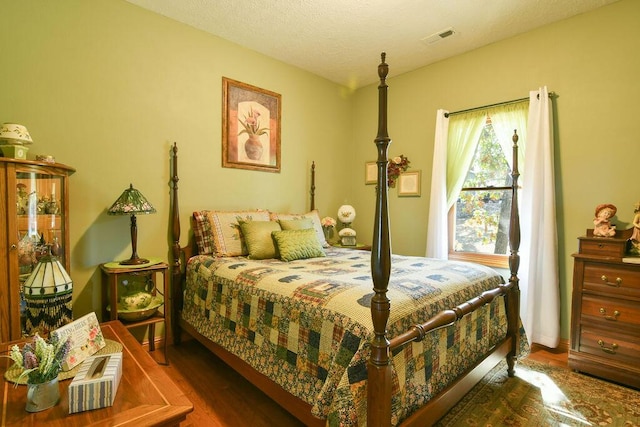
(257, 236)
(297, 244)
(296, 224)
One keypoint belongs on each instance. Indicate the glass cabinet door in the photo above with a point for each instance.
(35, 222)
(40, 223)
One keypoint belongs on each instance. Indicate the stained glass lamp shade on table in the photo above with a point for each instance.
(47, 294)
(132, 202)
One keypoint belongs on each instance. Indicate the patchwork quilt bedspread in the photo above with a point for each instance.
(307, 324)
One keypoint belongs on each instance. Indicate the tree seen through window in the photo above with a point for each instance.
(482, 211)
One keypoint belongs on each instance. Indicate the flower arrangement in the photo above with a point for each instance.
(251, 124)
(328, 222)
(395, 167)
(40, 360)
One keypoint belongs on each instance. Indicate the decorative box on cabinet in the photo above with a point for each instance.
(35, 197)
(605, 312)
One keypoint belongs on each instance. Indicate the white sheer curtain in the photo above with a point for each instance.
(540, 294)
(453, 152)
(437, 229)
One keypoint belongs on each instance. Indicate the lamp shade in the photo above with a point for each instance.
(131, 202)
(48, 278)
(346, 214)
(48, 294)
(12, 133)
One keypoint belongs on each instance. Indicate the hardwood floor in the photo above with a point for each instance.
(221, 397)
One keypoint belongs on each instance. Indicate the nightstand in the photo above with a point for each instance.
(360, 246)
(115, 276)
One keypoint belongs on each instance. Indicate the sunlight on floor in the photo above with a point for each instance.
(552, 396)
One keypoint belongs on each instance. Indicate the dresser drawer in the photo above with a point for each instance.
(619, 347)
(603, 246)
(614, 279)
(611, 311)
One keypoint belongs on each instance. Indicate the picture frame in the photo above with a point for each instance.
(409, 184)
(251, 118)
(370, 173)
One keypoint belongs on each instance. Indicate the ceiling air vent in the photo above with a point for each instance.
(440, 35)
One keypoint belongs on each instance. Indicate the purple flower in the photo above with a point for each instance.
(30, 360)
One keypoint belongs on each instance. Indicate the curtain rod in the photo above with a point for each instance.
(513, 101)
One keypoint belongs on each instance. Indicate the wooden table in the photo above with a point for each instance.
(145, 397)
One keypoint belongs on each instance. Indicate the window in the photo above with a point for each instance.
(479, 219)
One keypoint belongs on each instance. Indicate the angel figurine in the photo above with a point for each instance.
(601, 225)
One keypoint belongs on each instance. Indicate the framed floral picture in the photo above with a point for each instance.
(250, 127)
(409, 184)
(370, 173)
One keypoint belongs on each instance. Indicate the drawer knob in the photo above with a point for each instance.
(606, 281)
(610, 350)
(616, 313)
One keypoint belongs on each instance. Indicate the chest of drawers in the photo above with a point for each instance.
(605, 311)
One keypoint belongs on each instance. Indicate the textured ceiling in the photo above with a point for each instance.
(341, 40)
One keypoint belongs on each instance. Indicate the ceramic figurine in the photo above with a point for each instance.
(22, 199)
(634, 248)
(601, 225)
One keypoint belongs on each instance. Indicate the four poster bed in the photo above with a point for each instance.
(340, 336)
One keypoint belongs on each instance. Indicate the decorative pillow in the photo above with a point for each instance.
(225, 229)
(297, 244)
(296, 224)
(202, 232)
(257, 236)
(315, 218)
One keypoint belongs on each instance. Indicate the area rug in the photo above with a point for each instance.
(544, 395)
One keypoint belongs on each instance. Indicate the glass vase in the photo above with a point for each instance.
(42, 396)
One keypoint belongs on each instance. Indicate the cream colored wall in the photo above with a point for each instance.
(591, 61)
(107, 87)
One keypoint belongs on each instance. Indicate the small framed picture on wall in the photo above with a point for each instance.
(409, 184)
(370, 173)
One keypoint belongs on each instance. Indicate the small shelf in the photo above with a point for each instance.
(112, 277)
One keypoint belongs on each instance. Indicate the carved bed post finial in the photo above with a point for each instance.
(379, 367)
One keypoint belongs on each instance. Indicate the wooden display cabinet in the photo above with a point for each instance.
(35, 197)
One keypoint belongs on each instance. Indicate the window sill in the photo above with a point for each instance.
(496, 261)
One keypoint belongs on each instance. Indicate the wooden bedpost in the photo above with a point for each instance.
(379, 367)
(513, 298)
(176, 274)
(313, 186)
